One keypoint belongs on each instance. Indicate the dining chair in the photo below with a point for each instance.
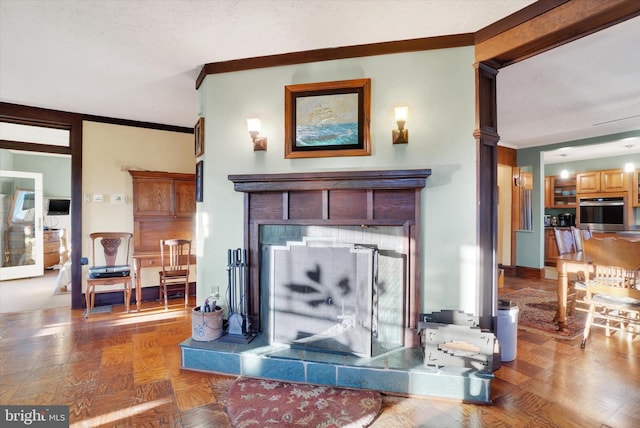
(612, 291)
(175, 255)
(579, 236)
(565, 244)
(110, 267)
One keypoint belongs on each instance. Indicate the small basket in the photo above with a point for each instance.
(206, 326)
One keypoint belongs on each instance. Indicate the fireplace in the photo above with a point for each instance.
(333, 289)
(370, 217)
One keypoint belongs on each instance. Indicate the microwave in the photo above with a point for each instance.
(605, 214)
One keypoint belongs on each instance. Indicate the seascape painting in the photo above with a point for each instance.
(327, 120)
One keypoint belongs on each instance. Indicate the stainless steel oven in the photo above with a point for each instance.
(608, 214)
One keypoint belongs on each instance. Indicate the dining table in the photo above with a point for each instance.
(566, 264)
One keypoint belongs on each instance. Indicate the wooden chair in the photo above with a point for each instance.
(111, 258)
(565, 243)
(612, 292)
(579, 236)
(175, 255)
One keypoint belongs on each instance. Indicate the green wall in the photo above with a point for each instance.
(439, 89)
(530, 244)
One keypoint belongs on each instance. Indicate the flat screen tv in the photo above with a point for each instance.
(58, 206)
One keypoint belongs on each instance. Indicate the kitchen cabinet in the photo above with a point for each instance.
(609, 180)
(562, 192)
(550, 247)
(548, 192)
(588, 182)
(635, 190)
(164, 207)
(613, 180)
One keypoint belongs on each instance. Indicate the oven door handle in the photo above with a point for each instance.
(600, 204)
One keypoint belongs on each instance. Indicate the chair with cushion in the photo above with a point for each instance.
(110, 267)
(612, 292)
(175, 255)
(565, 244)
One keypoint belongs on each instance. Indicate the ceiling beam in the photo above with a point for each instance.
(559, 25)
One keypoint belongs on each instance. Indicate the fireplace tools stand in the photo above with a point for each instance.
(237, 269)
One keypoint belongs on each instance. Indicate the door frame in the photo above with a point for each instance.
(33, 116)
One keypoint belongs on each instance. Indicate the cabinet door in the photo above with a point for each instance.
(153, 197)
(588, 182)
(548, 192)
(635, 191)
(551, 249)
(613, 180)
(185, 197)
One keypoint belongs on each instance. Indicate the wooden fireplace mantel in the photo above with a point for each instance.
(363, 198)
(388, 179)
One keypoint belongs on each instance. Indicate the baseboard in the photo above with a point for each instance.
(529, 272)
(149, 294)
(508, 270)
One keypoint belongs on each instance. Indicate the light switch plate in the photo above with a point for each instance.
(118, 198)
(97, 197)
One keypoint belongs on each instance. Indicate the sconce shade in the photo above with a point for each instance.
(254, 126)
(401, 135)
(401, 113)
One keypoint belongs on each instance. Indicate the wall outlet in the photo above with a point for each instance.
(118, 198)
(97, 197)
(86, 198)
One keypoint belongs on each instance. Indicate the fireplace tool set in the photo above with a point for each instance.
(237, 274)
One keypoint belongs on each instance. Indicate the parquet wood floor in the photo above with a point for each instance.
(123, 370)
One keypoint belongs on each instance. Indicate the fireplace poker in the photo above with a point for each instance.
(236, 318)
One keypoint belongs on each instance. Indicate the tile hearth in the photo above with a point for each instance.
(397, 372)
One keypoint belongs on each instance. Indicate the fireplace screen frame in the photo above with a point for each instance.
(321, 296)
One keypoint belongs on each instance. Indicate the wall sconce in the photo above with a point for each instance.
(254, 126)
(401, 135)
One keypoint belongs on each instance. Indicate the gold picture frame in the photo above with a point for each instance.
(198, 132)
(327, 119)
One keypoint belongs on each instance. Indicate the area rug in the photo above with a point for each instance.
(536, 309)
(268, 403)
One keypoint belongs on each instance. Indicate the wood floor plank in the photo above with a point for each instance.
(122, 370)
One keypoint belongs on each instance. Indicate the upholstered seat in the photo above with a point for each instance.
(110, 266)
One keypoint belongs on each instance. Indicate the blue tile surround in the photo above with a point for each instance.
(399, 372)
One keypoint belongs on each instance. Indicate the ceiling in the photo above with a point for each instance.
(138, 60)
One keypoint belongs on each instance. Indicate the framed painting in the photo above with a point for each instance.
(199, 178)
(198, 132)
(327, 119)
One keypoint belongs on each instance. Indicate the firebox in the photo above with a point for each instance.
(334, 289)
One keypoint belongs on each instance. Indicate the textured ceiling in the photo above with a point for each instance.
(138, 60)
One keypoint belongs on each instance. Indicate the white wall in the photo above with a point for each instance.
(108, 150)
(437, 86)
